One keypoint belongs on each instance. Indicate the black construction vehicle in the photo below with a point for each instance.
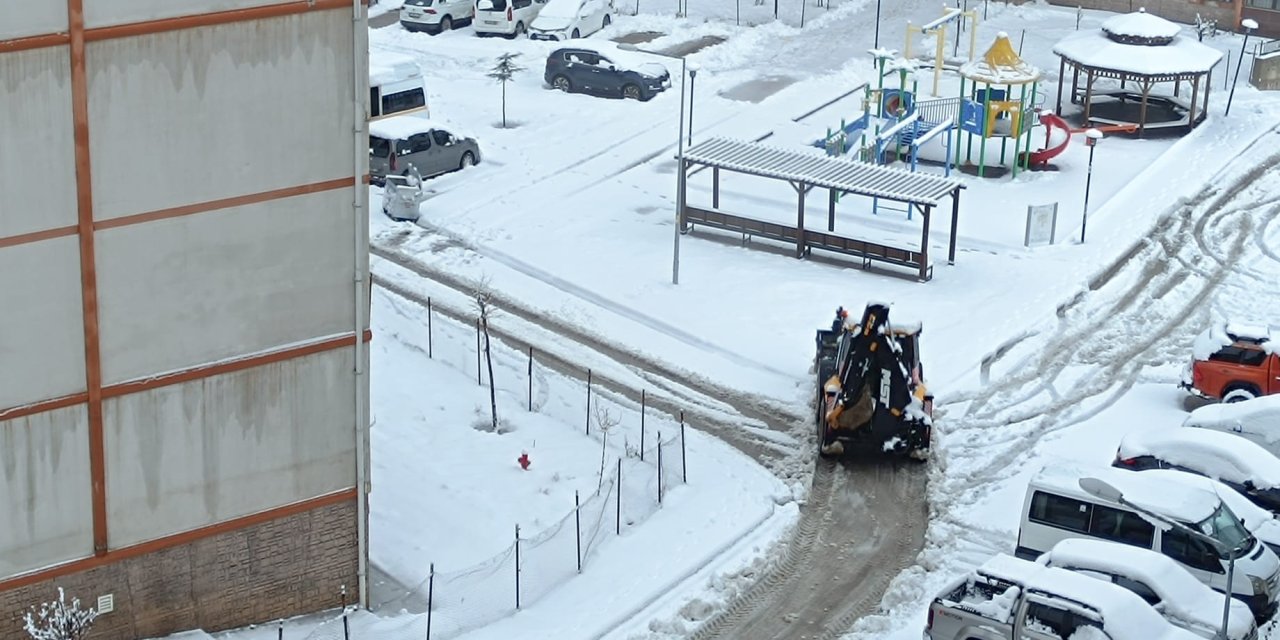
(871, 395)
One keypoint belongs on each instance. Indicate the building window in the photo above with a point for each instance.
(1270, 5)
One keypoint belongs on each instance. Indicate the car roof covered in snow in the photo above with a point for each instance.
(1182, 503)
(1216, 454)
(1184, 596)
(1220, 335)
(628, 57)
(1125, 616)
(391, 67)
(401, 127)
(1257, 520)
(1259, 415)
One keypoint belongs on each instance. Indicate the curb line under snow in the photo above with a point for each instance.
(702, 564)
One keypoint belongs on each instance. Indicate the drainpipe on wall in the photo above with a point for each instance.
(360, 228)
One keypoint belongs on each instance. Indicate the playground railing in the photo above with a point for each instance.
(940, 110)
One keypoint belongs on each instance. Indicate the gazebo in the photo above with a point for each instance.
(1144, 51)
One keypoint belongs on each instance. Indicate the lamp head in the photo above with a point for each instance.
(1249, 24)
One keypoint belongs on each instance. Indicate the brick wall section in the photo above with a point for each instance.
(278, 569)
(1183, 11)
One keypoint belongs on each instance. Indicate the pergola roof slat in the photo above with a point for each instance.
(829, 172)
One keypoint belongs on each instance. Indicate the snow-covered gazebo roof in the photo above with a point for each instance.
(1139, 44)
(1000, 65)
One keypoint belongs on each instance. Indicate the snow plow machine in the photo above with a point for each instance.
(871, 392)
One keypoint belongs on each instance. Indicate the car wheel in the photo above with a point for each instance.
(631, 92)
(446, 24)
(468, 160)
(607, 21)
(1238, 394)
(519, 30)
(575, 35)
(562, 83)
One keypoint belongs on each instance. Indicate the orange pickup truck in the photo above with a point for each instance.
(1234, 362)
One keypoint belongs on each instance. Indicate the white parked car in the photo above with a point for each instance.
(434, 16)
(1262, 524)
(566, 19)
(1257, 419)
(509, 18)
(1164, 584)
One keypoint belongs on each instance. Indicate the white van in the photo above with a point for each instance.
(510, 18)
(395, 85)
(1056, 508)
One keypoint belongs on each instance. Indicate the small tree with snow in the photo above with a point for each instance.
(59, 620)
(503, 72)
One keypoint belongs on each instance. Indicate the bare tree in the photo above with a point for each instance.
(484, 307)
(605, 422)
(505, 69)
(59, 620)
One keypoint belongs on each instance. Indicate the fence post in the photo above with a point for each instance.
(431, 587)
(588, 401)
(478, 367)
(618, 525)
(429, 338)
(684, 459)
(517, 567)
(531, 377)
(642, 398)
(659, 468)
(577, 527)
(346, 629)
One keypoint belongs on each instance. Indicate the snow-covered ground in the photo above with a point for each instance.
(570, 219)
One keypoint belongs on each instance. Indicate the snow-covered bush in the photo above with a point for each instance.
(59, 620)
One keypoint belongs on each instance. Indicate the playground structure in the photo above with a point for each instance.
(938, 28)
(988, 109)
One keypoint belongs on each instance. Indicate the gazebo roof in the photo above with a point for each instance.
(1141, 28)
(1000, 65)
(1180, 56)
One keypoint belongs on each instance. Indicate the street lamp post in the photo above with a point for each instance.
(693, 75)
(1091, 138)
(877, 42)
(1100, 489)
(680, 177)
(1249, 25)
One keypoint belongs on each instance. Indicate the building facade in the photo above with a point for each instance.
(184, 317)
(1227, 13)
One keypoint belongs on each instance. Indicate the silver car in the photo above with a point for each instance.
(397, 142)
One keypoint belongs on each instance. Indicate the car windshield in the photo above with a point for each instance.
(1226, 528)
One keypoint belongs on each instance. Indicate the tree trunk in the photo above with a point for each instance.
(504, 105)
(493, 393)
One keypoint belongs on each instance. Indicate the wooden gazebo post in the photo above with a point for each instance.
(924, 244)
(1062, 73)
(1088, 95)
(1195, 89)
(1142, 111)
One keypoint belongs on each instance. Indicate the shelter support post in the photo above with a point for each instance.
(1088, 95)
(1195, 89)
(1075, 84)
(924, 245)
(801, 190)
(1208, 83)
(1062, 73)
(831, 209)
(959, 119)
(1142, 111)
(715, 187)
(955, 223)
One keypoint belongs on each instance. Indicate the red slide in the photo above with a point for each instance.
(1051, 120)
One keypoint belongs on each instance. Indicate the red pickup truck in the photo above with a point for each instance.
(1234, 362)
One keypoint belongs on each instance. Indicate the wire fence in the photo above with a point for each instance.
(633, 483)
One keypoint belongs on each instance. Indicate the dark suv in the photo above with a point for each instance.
(590, 71)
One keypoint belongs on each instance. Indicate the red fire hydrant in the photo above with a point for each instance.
(524, 460)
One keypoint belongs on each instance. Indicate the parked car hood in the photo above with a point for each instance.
(651, 69)
(551, 22)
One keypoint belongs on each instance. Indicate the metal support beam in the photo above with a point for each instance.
(831, 209)
(955, 223)
(800, 220)
(924, 245)
(715, 187)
